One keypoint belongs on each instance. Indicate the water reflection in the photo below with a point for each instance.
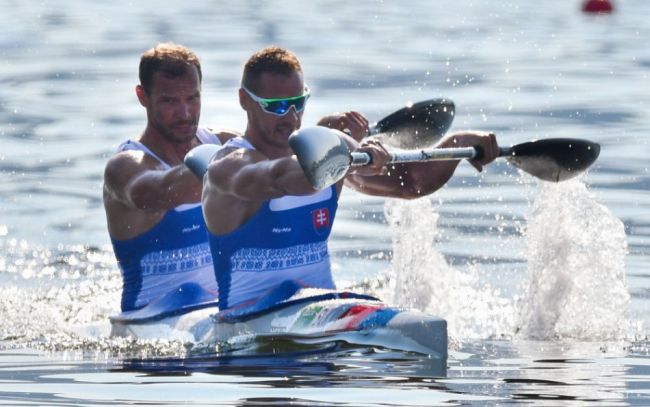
(546, 373)
(295, 361)
(550, 373)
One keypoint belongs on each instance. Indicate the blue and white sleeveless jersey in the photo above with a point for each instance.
(175, 251)
(285, 241)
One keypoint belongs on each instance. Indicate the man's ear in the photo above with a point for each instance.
(142, 95)
(243, 99)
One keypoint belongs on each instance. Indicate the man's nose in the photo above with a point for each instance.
(293, 115)
(184, 110)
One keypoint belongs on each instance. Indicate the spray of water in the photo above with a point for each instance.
(575, 287)
(576, 251)
(60, 299)
(421, 278)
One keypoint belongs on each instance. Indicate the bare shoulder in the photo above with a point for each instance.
(125, 165)
(226, 203)
(225, 134)
(124, 160)
(125, 219)
(229, 160)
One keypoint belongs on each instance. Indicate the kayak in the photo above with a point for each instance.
(191, 314)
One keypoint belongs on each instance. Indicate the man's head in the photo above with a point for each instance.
(170, 60)
(170, 90)
(270, 60)
(273, 94)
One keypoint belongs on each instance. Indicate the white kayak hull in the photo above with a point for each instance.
(354, 318)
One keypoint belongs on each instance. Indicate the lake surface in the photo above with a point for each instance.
(545, 286)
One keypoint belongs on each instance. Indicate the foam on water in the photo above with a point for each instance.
(61, 298)
(44, 292)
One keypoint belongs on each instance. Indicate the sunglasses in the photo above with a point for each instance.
(280, 106)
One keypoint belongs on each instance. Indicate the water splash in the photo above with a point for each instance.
(575, 287)
(421, 278)
(59, 300)
(576, 252)
(45, 292)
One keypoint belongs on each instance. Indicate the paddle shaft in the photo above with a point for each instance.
(433, 154)
(325, 157)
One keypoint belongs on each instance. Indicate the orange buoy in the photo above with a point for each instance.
(597, 6)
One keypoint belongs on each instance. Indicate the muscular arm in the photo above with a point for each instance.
(239, 180)
(136, 181)
(138, 192)
(413, 180)
(410, 180)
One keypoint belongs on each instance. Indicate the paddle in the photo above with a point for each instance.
(325, 157)
(198, 158)
(414, 126)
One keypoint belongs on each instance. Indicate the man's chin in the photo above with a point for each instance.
(185, 131)
(184, 134)
(284, 133)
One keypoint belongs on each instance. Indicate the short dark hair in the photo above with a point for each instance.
(171, 59)
(274, 60)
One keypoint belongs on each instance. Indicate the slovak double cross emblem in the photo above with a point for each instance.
(321, 219)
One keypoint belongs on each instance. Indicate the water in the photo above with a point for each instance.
(545, 286)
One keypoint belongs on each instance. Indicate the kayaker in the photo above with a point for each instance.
(268, 227)
(151, 198)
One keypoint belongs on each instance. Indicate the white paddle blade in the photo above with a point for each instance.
(322, 153)
(198, 158)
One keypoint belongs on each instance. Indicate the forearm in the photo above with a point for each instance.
(162, 190)
(413, 180)
(407, 181)
(288, 178)
(260, 181)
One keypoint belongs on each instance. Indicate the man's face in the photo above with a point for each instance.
(174, 105)
(270, 129)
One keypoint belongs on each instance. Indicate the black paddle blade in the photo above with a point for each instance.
(555, 159)
(416, 126)
(322, 154)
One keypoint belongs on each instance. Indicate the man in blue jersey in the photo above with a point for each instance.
(268, 227)
(151, 198)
